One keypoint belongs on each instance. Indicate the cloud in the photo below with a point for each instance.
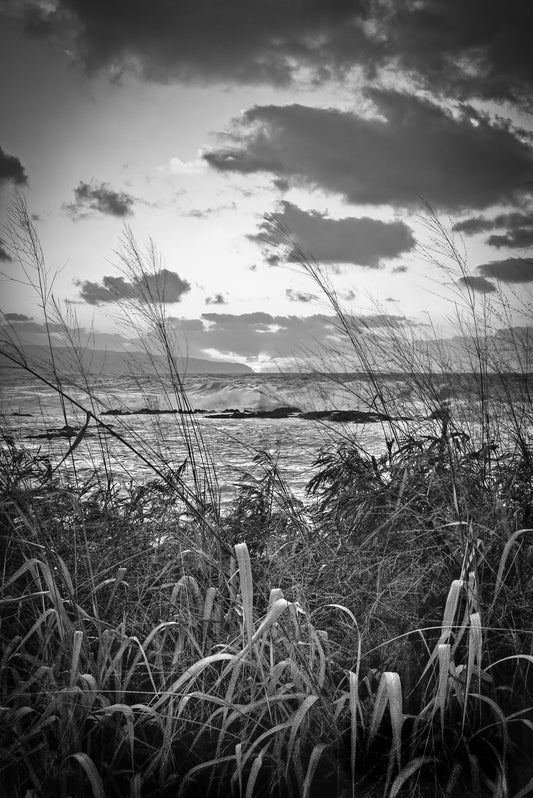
(298, 296)
(481, 224)
(251, 335)
(464, 47)
(28, 330)
(205, 213)
(4, 254)
(11, 169)
(164, 286)
(414, 149)
(237, 41)
(476, 283)
(520, 238)
(259, 334)
(385, 320)
(512, 270)
(218, 299)
(179, 167)
(17, 317)
(519, 229)
(100, 198)
(476, 224)
(360, 241)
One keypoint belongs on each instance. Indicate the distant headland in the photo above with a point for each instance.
(112, 362)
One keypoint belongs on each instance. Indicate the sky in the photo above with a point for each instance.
(205, 127)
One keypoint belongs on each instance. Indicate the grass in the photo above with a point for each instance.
(375, 640)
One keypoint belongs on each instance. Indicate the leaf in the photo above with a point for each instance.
(76, 648)
(247, 589)
(389, 692)
(91, 772)
(316, 753)
(297, 720)
(75, 444)
(407, 772)
(192, 672)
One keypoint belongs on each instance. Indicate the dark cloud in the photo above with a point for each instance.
(384, 320)
(100, 198)
(236, 41)
(520, 238)
(251, 335)
(27, 325)
(464, 47)
(4, 254)
(298, 296)
(11, 169)
(361, 241)
(476, 224)
(218, 299)
(416, 149)
(519, 226)
(399, 269)
(17, 317)
(164, 286)
(512, 270)
(481, 224)
(477, 283)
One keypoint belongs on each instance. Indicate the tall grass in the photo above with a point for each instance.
(374, 641)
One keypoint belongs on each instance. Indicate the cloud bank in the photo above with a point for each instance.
(519, 233)
(511, 270)
(263, 335)
(414, 149)
(164, 286)
(360, 241)
(468, 48)
(476, 283)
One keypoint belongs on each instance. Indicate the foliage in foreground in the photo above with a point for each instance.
(375, 642)
(175, 670)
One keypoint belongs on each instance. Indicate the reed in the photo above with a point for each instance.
(374, 641)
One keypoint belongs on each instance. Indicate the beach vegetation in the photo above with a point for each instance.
(374, 640)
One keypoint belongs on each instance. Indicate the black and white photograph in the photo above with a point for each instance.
(266, 379)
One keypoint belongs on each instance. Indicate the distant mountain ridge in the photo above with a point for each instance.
(110, 361)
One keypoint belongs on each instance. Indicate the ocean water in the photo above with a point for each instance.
(29, 408)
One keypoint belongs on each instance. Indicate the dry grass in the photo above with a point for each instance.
(377, 641)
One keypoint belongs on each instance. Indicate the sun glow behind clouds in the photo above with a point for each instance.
(334, 117)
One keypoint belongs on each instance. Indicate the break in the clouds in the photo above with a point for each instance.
(511, 270)
(94, 197)
(477, 283)
(361, 241)
(518, 233)
(11, 169)
(414, 148)
(163, 286)
(464, 47)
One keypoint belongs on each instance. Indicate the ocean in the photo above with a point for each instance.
(32, 415)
